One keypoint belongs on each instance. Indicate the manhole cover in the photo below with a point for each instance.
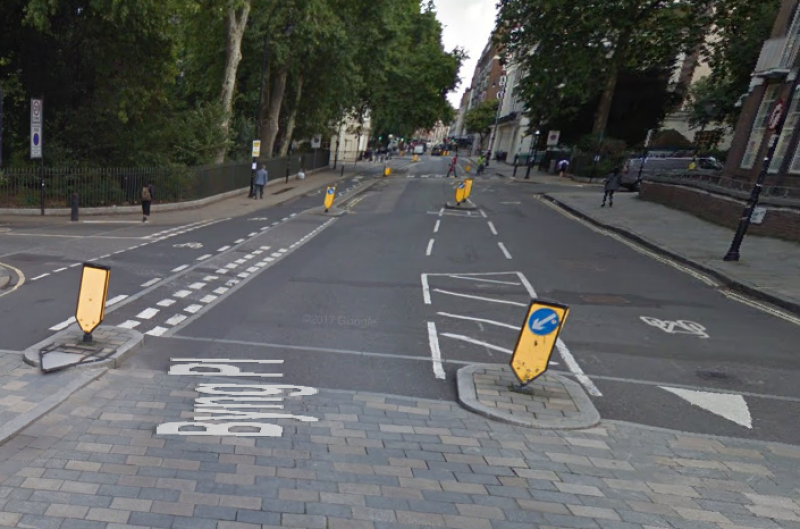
(601, 299)
(282, 191)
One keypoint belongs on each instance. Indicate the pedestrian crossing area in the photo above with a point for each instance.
(461, 174)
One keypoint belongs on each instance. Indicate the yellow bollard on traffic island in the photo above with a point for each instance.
(467, 168)
(330, 195)
(461, 191)
(387, 171)
(91, 308)
(467, 188)
(537, 339)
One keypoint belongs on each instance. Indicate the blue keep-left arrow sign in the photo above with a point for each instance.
(543, 322)
(330, 190)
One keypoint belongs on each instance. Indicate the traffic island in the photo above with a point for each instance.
(464, 206)
(332, 212)
(550, 402)
(67, 349)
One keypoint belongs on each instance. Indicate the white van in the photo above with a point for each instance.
(419, 149)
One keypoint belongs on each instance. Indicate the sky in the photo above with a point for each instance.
(468, 24)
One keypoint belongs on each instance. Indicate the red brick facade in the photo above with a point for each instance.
(779, 222)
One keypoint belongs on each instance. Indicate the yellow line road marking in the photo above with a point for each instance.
(20, 282)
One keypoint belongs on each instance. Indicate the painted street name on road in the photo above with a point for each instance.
(192, 245)
(677, 327)
(234, 409)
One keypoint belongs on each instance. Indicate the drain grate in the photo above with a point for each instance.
(282, 191)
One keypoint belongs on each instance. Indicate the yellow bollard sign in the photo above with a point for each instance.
(467, 188)
(461, 191)
(467, 168)
(91, 307)
(330, 195)
(387, 171)
(537, 339)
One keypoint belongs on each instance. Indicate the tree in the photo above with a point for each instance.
(235, 23)
(575, 50)
(479, 120)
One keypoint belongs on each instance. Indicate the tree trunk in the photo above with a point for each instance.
(604, 109)
(236, 21)
(292, 117)
(270, 132)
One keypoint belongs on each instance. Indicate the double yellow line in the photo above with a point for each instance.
(20, 281)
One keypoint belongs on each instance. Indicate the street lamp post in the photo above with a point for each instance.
(775, 129)
(533, 153)
(494, 130)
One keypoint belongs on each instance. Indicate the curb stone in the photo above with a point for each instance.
(727, 280)
(134, 343)
(20, 423)
(468, 398)
(463, 207)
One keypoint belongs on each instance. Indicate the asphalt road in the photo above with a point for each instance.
(398, 294)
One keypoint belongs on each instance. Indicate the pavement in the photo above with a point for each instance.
(769, 268)
(303, 371)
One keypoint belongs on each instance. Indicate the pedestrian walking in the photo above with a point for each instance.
(612, 185)
(563, 167)
(481, 164)
(453, 167)
(261, 180)
(148, 193)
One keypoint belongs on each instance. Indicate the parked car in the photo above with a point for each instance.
(630, 172)
(436, 151)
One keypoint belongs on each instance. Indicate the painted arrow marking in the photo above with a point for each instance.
(539, 325)
(731, 407)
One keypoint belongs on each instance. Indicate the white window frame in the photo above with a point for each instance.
(782, 150)
(759, 126)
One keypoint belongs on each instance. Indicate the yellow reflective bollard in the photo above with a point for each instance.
(330, 195)
(387, 171)
(467, 188)
(91, 308)
(467, 168)
(537, 339)
(460, 193)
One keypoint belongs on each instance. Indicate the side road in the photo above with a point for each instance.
(363, 461)
(769, 269)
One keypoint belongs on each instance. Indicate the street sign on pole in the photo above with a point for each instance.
(36, 128)
(537, 339)
(256, 148)
(553, 138)
(316, 141)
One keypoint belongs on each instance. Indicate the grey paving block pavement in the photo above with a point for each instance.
(233, 482)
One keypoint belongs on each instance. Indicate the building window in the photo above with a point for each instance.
(782, 150)
(759, 126)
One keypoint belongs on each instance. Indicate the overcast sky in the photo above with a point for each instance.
(468, 24)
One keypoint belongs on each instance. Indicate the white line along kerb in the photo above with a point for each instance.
(236, 410)
(436, 353)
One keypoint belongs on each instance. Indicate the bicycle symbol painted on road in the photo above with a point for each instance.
(677, 327)
(192, 245)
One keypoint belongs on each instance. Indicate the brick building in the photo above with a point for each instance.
(772, 81)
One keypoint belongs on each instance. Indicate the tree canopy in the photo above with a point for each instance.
(157, 82)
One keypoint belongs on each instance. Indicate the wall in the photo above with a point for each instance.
(779, 222)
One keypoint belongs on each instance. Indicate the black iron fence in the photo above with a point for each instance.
(21, 188)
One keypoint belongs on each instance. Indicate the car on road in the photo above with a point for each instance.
(630, 172)
(436, 151)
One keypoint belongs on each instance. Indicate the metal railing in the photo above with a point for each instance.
(109, 187)
(787, 195)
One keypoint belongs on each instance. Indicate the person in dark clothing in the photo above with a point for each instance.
(148, 194)
(612, 185)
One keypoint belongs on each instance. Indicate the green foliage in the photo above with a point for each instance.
(670, 139)
(480, 119)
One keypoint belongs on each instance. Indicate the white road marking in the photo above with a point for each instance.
(232, 265)
(175, 320)
(436, 228)
(151, 282)
(504, 250)
(248, 256)
(481, 298)
(166, 303)
(441, 212)
(283, 250)
(78, 264)
(208, 279)
(193, 309)
(63, 325)
(676, 327)
(239, 261)
(157, 331)
(130, 324)
(182, 294)
(491, 227)
(732, 407)
(220, 291)
(265, 248)
(238, 241)
(244, 275)
(481, 280)
(252, 234)
(484, 215)
(268, 260)
(147, 314)
(477, 342)
(430, 247)
(204, 257)
(115, 300)
(576, 370)
(276, 254)
(221, 271)
(40, 277)
(197, 286)
(224, 248)
(426, 290)
(208, 299)
(106, 256)
(59, 270)
(258, 252)
(436, 354)
(180, 268)
(481, 320)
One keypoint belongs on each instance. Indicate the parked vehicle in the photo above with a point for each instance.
(630, 172)
(436, 151)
